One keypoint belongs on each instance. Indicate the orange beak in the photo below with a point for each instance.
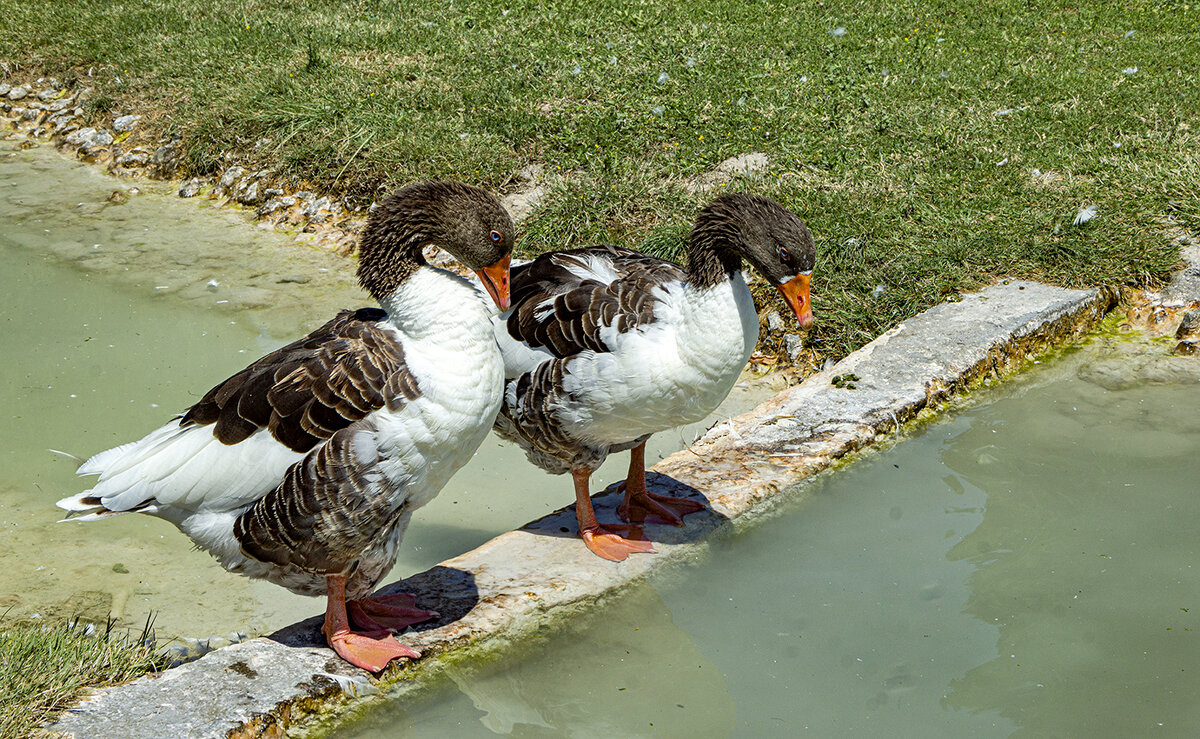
(495, 280)
(795, 292)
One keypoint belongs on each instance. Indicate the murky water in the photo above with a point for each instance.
(120, 311)
(1027, 567)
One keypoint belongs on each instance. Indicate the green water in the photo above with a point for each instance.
(1027, 567)
(120, 312)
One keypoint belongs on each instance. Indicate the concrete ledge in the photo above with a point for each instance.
(522, 581)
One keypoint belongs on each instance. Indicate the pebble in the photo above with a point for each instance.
(86, 138)
(191, 188)
(126, 123)
(1189, 326)
(231, 175)
(17, 93)
(793, 344)
(248, 194)
(133, 158)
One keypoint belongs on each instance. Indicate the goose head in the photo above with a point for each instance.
(467, 222)
(770, 237)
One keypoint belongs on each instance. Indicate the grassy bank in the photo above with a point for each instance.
(43, 668)
(930, 146)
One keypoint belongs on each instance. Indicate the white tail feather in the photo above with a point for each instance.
(68, 455)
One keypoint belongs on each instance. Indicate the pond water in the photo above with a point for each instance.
(121, 306)
(1028, 566)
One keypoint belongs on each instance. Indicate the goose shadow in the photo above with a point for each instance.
(449, 591)
(696, 526)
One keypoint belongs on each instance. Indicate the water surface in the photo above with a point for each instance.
(1025, 567)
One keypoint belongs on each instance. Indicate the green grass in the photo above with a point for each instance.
(892, 141)
(43, 668)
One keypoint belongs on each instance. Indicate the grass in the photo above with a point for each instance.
(43, 668)
(910, 143)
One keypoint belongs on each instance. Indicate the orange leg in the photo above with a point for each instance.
(601, 539)
(641, 505)
(370, 650)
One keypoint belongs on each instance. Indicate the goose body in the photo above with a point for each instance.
(605, 346)
(304, 469)
(667, 362)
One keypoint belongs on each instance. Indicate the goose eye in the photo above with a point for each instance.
(496, 236)
(784, 254)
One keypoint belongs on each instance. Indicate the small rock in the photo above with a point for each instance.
(1189, 327)
(4, 88)
(191, 188)
(315, 207)
(743, 165)
(231, 175)
(248, 194)
(793, 344)
(17, 93)
(270, 207)
(164, 160)
(133, 158)
(86, 138)
(126, 123)
(1187, 348)
(520, 204)
(47, 95)
(774, 321)
(118, 197)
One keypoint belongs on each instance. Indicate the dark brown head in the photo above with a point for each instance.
(467, 222)
(769, 236)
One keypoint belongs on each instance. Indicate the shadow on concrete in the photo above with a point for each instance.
(448, 590)
(696, 526)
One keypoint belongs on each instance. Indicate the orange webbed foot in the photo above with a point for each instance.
(387, 612)
(643, 506)
(371, 653)
(605, 543)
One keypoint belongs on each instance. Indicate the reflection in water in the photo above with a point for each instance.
(625, 671)
(1087, 556)
(1026, 567)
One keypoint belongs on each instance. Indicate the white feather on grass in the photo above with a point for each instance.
(1085, 214)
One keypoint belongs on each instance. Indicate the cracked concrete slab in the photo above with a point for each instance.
(524, 581)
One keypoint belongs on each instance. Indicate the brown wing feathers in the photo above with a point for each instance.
(558, 309)
(325, 513)
(308, 390)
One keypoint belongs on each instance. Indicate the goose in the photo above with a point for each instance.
(305, 467)
(604, 346)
